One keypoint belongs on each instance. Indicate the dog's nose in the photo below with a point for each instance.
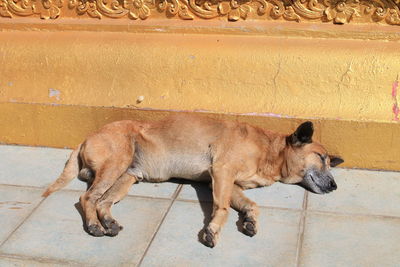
(333, 185)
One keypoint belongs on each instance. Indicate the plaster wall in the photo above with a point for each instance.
(56, 85)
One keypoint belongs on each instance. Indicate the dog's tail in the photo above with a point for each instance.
(70, 171)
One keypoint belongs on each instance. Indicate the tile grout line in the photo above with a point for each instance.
(80, 191)
(143, 196)
(210, 201)
(300, 236)
(260, 206)
(22, 222)
(40, 259)
(174, 197)
(25, 186)
(376, 216)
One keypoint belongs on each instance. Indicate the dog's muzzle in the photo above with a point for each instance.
(318, 182)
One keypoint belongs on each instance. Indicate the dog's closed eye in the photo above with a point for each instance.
(322, 157)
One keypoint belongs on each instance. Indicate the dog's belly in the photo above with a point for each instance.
(180, 165)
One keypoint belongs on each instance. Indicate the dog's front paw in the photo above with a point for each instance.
(112, 227)
(95, 230)
(249, 227)
(209, 238)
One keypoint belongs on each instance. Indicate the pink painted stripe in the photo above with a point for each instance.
(394, 89)
(396, 112)
(395, 108)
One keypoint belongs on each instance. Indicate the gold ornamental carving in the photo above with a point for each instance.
(333, 11)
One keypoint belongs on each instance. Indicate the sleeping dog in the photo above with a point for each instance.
(232, 156)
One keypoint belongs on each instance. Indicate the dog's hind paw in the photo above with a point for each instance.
(249, 227)
(112, 227)
(95, 230)
(209, 238)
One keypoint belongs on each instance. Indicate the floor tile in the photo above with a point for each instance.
(361, 192)
(338, 240)
(196, 191)
(16, 203)
(176, 243)
(31, 166)
(55, 231)
(277, 195)
(75, 184)
(161, 190)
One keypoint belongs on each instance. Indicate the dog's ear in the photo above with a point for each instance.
(303, 134)
(335, 160)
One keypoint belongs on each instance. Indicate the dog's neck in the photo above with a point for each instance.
(287, 176)
(273, 162)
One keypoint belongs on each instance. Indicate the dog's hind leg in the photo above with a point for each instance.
(113, 195)
(249, 208)
(105, 177)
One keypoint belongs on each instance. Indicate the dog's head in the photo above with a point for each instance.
(307, 163)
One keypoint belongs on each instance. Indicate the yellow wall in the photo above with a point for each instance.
(313, 77)
(361, 144)
(56, 85)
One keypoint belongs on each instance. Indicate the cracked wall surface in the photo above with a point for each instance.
(62, 79)
(310, 78)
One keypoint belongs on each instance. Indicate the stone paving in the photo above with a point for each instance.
(356, 225)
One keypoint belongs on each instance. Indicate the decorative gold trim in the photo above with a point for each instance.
(336, 11)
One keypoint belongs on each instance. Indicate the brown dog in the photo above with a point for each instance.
(234, 156)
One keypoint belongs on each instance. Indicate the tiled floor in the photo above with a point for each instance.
(357, 225)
